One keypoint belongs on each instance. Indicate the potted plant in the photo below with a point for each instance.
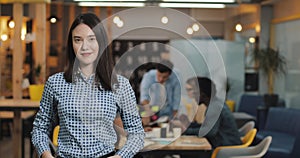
(271, 63)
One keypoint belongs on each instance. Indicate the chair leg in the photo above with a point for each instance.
(32, 151)
(23, 140)
(1, 129)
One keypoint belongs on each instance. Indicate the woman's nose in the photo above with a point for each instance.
(84, 45)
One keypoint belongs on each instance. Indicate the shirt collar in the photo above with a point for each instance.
(89, 79)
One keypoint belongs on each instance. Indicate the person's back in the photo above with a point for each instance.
(225, 131)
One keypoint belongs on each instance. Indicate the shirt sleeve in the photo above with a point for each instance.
(131, 122)
(42, 122)
(176, 93)
(144, 87)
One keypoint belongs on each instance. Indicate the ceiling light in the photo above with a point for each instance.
(4, 37)
(195, 27)
(164, 20)
(252, 40)
(202, 1)
(53, 19)
(116, 19)
(189, 30)
(112, 4)
(120, 23)
(238, 27)
(11, 23)
(191, 5)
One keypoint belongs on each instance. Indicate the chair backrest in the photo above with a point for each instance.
(288, 122)
(55, 136)
(247, 140)
(256, 151)
(249, 137)
(262, 148)
(246, 128)
(249, 103)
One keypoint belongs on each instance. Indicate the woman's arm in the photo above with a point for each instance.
(131, 120)
(42, 122)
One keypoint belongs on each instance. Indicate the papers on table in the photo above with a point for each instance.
(161, 119)
(147, 142)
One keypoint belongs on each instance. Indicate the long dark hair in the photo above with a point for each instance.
(204, 89)
(104, 68)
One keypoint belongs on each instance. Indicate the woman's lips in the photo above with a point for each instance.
(86, 54)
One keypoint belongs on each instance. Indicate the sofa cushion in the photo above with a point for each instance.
(249, 103)
(277, 154)
(284, 120)
(282, 143)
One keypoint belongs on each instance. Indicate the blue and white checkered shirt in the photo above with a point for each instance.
(86, 114)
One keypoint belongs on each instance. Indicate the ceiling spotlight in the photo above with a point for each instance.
(116, 19)
(53, 19)
(238, 27)
(164, 19)
(4, 37)
(195, 27)
(252, 40)
(11, 23)
(120, 23)
(189, 30)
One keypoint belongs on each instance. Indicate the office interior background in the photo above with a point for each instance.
(264, 23)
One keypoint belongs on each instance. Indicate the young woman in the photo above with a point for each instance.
(85, 99)
(224, 131)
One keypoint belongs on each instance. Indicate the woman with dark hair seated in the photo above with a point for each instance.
(224, 131)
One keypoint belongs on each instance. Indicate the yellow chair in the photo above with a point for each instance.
(55, 136)
(53, 143)
(246, 127)
(231, 105)
(36, 92)
(257, 151)
(246, 141)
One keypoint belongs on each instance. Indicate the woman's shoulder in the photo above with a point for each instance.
(122, 80)
(56, 77)
(122, 84)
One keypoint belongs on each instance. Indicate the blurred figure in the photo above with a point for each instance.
(161, 87)
(225, 131)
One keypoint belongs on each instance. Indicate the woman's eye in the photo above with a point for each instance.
(77, 40)
(92, 38)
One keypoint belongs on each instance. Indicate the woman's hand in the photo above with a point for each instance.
(115, 156)
(47, 154)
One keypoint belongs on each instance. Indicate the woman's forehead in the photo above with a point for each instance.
(83, 30)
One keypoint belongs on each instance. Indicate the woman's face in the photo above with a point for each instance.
(190, 90)
(85, 45)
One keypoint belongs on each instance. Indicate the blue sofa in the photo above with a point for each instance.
(249, 103)
(284, 126)
(255, 106)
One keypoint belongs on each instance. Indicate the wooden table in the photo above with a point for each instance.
(241, 118)
(17, 106)
(186, 146)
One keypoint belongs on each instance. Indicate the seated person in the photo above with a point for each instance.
(224, 131)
